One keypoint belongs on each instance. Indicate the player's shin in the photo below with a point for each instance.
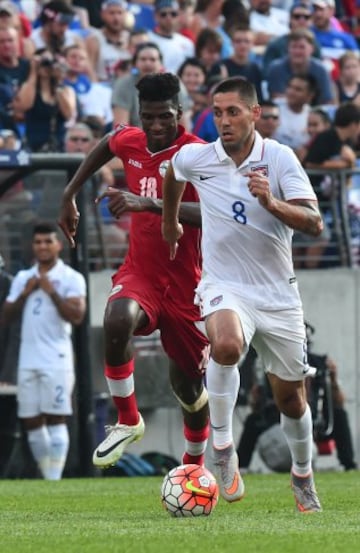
(223, 384)
(298, 434)
(120, 381)
(196, 428)
(39, 443)
(59, 447)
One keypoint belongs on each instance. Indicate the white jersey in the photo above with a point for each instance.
(244, 247)
(45, 335)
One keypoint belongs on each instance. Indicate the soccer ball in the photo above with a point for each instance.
(189, 491)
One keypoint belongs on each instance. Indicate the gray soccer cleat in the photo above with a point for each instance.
(305, 494)
(226, 468)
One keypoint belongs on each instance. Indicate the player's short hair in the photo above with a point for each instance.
(44, 227)
(242, 86)
(159, 87)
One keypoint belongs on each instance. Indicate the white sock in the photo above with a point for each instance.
(223, 382)
(299, 436)
(59, 447)
(39, 443)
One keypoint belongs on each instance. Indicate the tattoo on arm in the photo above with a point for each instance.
(311, 221)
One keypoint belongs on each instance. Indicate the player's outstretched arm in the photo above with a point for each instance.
(69, 214)
(121, 201)
(172, 193)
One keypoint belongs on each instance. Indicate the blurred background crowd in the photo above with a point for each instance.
(68, 70)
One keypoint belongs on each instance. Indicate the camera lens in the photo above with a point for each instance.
(46, 62)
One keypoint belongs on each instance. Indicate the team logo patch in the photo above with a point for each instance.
(262, 169)
(163, 166)
(115, 289)
(216, 301)
(118, 129)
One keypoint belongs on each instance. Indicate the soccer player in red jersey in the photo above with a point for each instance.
(150, 291)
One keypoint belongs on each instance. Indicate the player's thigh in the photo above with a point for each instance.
(135, 301)
(28, 393)
(280, 341)
(56, 391)
(182, 341)
(226, 314)
(185, 386)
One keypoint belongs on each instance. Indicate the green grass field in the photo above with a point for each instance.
(124, 515)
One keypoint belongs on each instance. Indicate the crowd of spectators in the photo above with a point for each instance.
(65, 62)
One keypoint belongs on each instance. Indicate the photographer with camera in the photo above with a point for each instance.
(14, 70)
(54, 33)
(326, 399)
(48, 104)
(327, 402)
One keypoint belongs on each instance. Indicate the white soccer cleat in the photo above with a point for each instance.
(226, 468)
(118, 438)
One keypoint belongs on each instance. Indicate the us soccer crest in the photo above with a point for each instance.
(216, 301)
(163, 166)
(262, 169)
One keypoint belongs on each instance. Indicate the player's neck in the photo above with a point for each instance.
(241, 151)
(46, 266)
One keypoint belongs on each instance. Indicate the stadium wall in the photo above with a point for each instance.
(331, 301)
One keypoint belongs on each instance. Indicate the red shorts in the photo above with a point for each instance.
(182, 341)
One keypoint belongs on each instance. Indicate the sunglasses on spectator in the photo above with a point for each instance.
(269, 116)
(301, 16)
(165, 14)
(79, 138)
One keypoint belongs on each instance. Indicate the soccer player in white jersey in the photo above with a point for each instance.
(253, 193)
(50, 296)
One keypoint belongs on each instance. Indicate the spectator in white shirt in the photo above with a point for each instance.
(294, 111)
(267, 21)
(175, 47)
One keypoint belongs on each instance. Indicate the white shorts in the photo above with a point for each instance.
(278, 337)
(45, 391)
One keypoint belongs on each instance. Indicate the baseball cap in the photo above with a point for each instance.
(302, 4)
(161, 4)
(57, 10)
(107, 3)
(9, 8)
(324, 3)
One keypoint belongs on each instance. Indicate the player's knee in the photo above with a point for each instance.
(199, 402)
(119, 323)
(292, 405)
(226, 350)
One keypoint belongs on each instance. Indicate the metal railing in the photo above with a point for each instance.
(34, 191)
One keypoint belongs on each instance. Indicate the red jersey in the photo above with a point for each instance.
(148, 253)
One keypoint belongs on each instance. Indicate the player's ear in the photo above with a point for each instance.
(60, 244)
(179, 112)
(256, 109)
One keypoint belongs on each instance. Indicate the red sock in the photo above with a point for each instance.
(196, 441)
(126, 406)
